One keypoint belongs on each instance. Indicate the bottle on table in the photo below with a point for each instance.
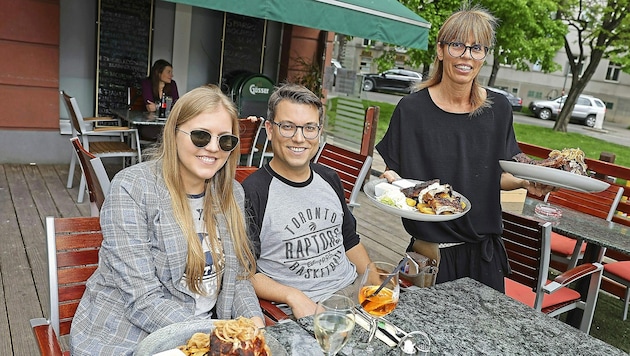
(162, 109)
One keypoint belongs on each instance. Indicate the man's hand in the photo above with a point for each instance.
(301, 305)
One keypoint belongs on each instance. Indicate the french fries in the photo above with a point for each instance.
(425, 208)
(198, 345)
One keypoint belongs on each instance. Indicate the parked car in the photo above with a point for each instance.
(585, 110)
(400, 80)
(517, 103)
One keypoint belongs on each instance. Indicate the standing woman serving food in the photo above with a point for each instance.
(175, 246)
(159, 82)
(453, 129)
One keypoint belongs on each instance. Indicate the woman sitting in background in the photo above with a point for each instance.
(160, 81)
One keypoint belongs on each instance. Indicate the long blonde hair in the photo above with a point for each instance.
(219, 195)
(460, 26)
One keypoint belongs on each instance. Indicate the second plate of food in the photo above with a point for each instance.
(554, 177)
(412, 214)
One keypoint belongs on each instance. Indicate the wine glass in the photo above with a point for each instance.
(334, 322)
(379, 291)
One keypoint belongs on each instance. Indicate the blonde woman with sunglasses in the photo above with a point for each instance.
(175, 246)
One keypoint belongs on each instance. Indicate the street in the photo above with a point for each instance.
(611, 132)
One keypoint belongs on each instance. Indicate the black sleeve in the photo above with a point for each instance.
(256, 188)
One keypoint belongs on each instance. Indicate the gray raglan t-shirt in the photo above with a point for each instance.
(298, 230)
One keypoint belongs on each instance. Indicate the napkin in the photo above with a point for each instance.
(363, 321)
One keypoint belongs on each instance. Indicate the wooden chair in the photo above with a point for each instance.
(617, 277)
(248, 135)
(118, 148)
(352, 168)
(95, 176)
(73, 245)
(243, 172)
(567, 251)
(527, 243)
(135, 100)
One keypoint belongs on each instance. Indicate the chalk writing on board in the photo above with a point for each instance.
(243, 43)
(123, 53)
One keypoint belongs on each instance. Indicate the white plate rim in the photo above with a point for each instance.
(171, 336)
(368, 189)
(554, 177)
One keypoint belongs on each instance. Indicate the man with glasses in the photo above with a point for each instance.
(303, 233)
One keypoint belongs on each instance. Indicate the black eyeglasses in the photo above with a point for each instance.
(201, 138)
(288, 129)
(457, 49)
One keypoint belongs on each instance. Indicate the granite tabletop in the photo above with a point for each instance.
(587, 227)
(464, 317)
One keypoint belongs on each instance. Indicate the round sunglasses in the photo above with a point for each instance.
(201, 138)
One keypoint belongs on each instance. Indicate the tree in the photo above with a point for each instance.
(603, 27)
(526, 34)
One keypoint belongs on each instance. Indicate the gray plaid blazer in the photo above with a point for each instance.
(135, 289)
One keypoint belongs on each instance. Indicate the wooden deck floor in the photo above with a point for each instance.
(29, 193)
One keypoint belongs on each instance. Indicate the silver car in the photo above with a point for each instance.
(585, 110)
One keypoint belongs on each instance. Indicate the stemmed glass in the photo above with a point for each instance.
(334, 322)
(379, 291)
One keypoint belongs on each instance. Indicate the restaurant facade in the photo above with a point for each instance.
(60, 45)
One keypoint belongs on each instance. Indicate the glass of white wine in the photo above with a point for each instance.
(333, 323)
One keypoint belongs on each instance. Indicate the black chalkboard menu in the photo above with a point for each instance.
(124, 39)
(243, 40)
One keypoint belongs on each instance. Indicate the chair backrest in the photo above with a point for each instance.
(243, 172)
(528, 246)
(73, 245)
(78, 124)
(248, 135)
(351, 167)
(95, 175)
(601, 204)
(135, 100)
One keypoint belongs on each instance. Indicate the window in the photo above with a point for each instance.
(612, 73)
(534, 94)
(367, 42)
(365, 66)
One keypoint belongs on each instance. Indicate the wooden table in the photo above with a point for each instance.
(465, 317)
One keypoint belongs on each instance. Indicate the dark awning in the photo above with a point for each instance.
(383, 20)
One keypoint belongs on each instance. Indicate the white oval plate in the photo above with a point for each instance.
(554, 177)
(410, 214)
(169, 337)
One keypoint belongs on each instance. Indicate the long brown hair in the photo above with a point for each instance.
(219, 195)
(156, 70)
(460, 26)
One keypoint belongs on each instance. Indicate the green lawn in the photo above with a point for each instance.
(607, 324)
(536, 135)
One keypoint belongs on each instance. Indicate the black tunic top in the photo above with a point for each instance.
(425, 142)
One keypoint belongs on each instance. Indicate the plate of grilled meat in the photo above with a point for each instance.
(563, 169)
(417, 200)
